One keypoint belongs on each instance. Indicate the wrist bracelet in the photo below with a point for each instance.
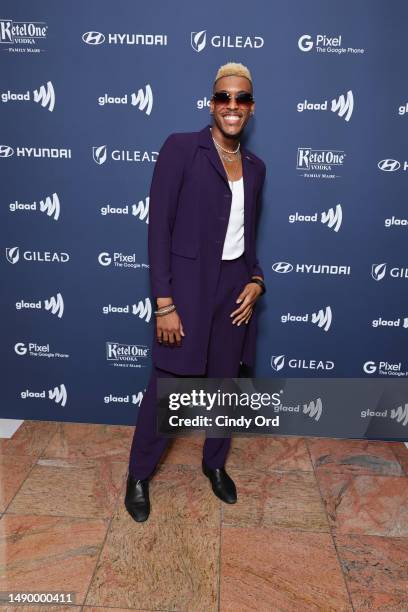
(260, 283)
(164, 310)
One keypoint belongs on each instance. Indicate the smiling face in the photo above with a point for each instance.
(231, 117)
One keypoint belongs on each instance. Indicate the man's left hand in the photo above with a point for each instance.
(247, 299)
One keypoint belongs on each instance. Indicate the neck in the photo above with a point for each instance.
(226, 141)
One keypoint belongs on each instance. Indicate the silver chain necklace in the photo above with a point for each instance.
(226, 157)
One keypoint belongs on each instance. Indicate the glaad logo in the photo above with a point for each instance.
(283, 267)
(278, 363)
(98, 38)
(143, 100)
(46, 152)
(395, 222)
(322, 43)
(100, 155)
(13, 256)
(36, 350)
(142, 309)
(384, 368)
(140, 210)
(127, 355)
(400, 322)
(323, 318)
(58, 394)
(135, 398)
(15, 34)
(199, 41)
(343, 106)
(378, 272)
(403, 110)
(50, 205)
(317, 163)
(120, 260)
(332, 218)
(400, 414)
(54, 305)
(314, 409)
(45, 96)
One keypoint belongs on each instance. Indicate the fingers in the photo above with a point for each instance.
(169, 337)
(244, 316)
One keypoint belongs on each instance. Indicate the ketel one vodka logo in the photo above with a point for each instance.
(333, 218)
(199, 41)
(319, 163)
(50, 205)
(45, 96)
(22, 35)
(142, 100)
(342, 106)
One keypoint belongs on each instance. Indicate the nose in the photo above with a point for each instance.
(232, 105)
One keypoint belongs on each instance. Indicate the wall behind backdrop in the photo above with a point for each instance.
(90, 91)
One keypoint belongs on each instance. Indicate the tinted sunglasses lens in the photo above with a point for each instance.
(221, 97)
(244, 99)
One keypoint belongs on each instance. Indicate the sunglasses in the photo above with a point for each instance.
(242, 98)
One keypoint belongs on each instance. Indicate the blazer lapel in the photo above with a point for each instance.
(248, 173)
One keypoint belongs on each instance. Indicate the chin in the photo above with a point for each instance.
(232, 130)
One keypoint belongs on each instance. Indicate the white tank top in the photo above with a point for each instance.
(234, 239)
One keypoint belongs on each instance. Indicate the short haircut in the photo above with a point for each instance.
(233, 69)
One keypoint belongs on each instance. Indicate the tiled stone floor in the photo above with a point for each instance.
(320, 524)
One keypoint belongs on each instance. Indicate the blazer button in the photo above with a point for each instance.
(222, 218)
(227, 195)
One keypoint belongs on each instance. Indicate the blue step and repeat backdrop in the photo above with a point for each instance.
(90, 91)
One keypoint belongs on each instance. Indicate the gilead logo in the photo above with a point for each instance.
(13, 256)
(199, 41)
(378, 272)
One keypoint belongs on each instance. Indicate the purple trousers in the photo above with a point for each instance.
(223, 361)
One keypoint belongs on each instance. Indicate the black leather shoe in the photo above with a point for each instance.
(222, 484)
(137, 498)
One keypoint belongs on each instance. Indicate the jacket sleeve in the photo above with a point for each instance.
(257, 270)
(163, 199)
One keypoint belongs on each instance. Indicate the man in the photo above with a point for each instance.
(205, 276)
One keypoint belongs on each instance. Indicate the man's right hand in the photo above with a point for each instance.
(169, 328)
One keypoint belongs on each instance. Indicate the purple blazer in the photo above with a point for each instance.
(190, 202)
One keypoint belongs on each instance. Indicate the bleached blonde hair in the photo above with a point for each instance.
(233, 69)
